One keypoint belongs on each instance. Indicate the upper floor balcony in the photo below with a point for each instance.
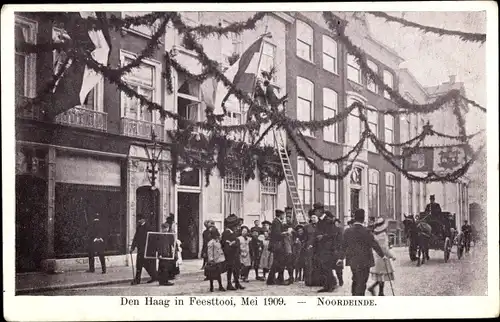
(141, 129)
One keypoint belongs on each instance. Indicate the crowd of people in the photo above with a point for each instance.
(306, 253)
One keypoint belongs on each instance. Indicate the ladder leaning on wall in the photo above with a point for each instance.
(298, 209)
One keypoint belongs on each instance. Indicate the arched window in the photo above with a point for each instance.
(330, 109)
(305, 101)
(330, 188)
(389, 81)
(373, 193)
(329, 54)
(390, 195)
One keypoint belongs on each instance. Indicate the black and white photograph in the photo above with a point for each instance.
(250, 154)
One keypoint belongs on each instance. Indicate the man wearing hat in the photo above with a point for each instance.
(276, 246)
(96, 243)
(139, 241)
(326, 237)
(231, 248)
(266, 225)
(436, 220)
(357, 248)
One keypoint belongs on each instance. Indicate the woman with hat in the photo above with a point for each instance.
(382, 271)
(206, 238)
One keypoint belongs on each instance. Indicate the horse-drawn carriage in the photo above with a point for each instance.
(427, 231)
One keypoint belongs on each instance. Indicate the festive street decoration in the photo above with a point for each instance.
(205, 144)
(465, 36)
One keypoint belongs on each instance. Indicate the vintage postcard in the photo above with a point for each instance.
(239, 161)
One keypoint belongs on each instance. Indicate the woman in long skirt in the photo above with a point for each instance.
(382, 271)
(266, 259)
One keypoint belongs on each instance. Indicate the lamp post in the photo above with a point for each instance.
(153, 159)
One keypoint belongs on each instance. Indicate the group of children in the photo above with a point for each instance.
(254, 252)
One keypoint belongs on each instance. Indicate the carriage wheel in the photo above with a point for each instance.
(447, 249)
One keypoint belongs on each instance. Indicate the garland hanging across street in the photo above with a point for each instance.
(210, 147)
(465, 36)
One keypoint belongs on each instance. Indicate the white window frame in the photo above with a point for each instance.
(353, 116)
(389, 119)
(305, 81)
(234, 188)
(275, 48)
(29, 59)
(327, 110)
(332, 55)
(371, 174)
(236, 43)
(352, 64)
(370, 85)
(269, 187)
(388, 176)
(124, 55)
(301, 28)
(390, 84)
(331, 168)
(299, 160)
(372, 111)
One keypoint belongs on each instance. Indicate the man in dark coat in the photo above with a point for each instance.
(325, 235)
(435, 217)
(357, 247)
(276, 246)
(139, 241)
(96, 243)
(310, 276)
(337, 251)
(231, 248)
(467, 231)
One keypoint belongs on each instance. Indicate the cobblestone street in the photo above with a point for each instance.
(464, 277)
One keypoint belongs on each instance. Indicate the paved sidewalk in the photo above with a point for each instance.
(27, 283)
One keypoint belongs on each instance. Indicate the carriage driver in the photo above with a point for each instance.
(436, 218)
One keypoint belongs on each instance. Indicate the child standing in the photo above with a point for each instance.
(266, 258)
(245, 260)
(382, 271)
(215, 260)
(256, 246)
(299, 253)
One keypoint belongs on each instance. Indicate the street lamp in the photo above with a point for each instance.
(153, 158)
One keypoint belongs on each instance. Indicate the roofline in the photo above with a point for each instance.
(383, 46)
(405, 70)
(283, 16)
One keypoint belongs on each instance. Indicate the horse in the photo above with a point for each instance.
(419, 234)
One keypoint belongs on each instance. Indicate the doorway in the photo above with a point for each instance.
(188, 217)
(148, 204)
(31, 217)
(354, 200)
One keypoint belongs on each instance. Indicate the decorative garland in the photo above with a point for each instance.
(465, 36)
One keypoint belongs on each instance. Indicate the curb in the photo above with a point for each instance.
(28, 291)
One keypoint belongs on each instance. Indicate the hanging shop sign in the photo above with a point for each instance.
(438, 159)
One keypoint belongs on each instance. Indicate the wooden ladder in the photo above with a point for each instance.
(290, 178)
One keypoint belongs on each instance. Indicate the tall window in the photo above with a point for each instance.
(233, 194)
(410, 197)
(373, 187)
(389, 81)
(369, 83)
(305, 99)
(268, 60)
(373, 123)
(418, 198)
(353, 69)
(143, 79)
(230, 44)
(390, 194)
(25, 63)
(329, 54)
(188, 100)
(330, 188)
(93, 101)
(233, 115)
(305, 37)
(389, 131)
(330, 108)
(304, 182)
(354, 126)
(269, 195)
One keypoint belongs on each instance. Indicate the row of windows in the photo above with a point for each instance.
(305, 184)
(305, 50)
(305, 112)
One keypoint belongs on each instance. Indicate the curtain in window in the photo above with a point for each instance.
(233, 203)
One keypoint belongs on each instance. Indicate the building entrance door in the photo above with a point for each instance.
(188, 218)
(354, 200)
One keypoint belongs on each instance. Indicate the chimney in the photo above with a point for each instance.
(452, 79)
